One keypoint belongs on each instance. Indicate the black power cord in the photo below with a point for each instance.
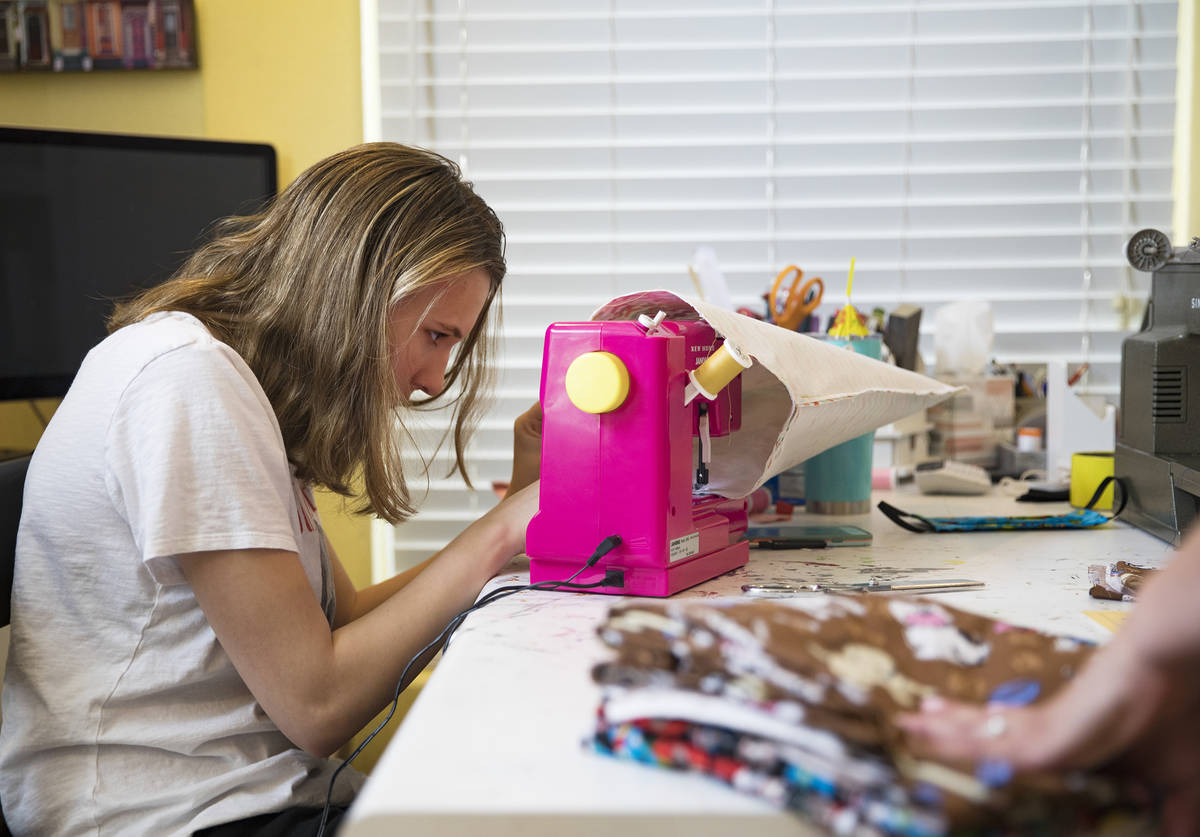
(612, 578)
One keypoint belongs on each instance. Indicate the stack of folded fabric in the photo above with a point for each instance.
(795, 700)
(1119, 581)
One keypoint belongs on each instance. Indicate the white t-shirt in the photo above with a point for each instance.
(122, 714)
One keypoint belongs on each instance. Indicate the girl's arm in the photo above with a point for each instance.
(527, 454)
(321, 686)
(352, 602)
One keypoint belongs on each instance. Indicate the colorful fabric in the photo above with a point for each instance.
(794, 700)
(1079, 519)
(1119, 581)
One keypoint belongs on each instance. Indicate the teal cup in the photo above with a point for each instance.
(838, 481)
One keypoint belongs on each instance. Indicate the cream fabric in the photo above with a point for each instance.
(801, 396)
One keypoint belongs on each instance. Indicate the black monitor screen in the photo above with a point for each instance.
(88, 218)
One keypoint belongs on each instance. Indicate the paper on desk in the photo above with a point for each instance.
(799, 398)
(1111, 619)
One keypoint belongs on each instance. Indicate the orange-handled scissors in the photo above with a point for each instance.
(801, 300)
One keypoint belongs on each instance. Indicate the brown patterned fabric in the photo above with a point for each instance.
(1119, 581)
(846, 666)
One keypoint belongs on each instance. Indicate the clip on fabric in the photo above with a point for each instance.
(1084, 518)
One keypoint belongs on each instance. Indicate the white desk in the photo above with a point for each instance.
(493, 745)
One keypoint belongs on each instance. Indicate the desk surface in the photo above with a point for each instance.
(494, 743)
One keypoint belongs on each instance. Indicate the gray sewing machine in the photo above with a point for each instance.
(1158, 428)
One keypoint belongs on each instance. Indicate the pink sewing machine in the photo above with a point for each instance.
(623, 404)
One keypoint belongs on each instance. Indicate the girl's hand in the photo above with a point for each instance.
(511, 517)
(527, 448)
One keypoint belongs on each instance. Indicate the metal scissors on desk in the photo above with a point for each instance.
(874, 585)
(801, 300)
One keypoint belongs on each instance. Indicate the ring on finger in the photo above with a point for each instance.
(994, 727)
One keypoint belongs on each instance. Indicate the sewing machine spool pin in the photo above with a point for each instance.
(651, 324)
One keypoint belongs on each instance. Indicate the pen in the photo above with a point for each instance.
(788, 543)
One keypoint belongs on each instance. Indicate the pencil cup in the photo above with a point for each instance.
(838, 481)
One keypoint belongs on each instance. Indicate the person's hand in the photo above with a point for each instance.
(527, 448)
(1120, 711)
(511, 516)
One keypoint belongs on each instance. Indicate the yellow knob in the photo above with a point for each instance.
(597, 382)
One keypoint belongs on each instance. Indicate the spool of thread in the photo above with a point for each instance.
(883, 479)
(760, 500)
(1029, 439)
(722, 366)
(1088, 470)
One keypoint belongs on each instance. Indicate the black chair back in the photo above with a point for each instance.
(12, 487)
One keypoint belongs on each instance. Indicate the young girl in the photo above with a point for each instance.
(187, 650)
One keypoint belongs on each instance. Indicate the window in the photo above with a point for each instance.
(1002, 150)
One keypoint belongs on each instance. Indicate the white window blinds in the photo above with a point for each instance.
(1001, 150)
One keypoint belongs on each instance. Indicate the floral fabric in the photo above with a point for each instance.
(795, 700)
(1119, 581)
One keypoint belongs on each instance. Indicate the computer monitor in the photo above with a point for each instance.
(88, 218)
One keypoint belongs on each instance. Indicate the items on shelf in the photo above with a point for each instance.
(85, 35)
(903, 444)
(970, 426)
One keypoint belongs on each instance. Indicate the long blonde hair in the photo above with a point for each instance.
(302, 292)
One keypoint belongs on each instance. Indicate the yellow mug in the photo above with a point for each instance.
(1088, 470)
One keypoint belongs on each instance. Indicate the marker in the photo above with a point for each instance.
(788, 543)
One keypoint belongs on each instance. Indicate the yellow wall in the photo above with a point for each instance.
(170, 102)
(21, 422)
(285, 72)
